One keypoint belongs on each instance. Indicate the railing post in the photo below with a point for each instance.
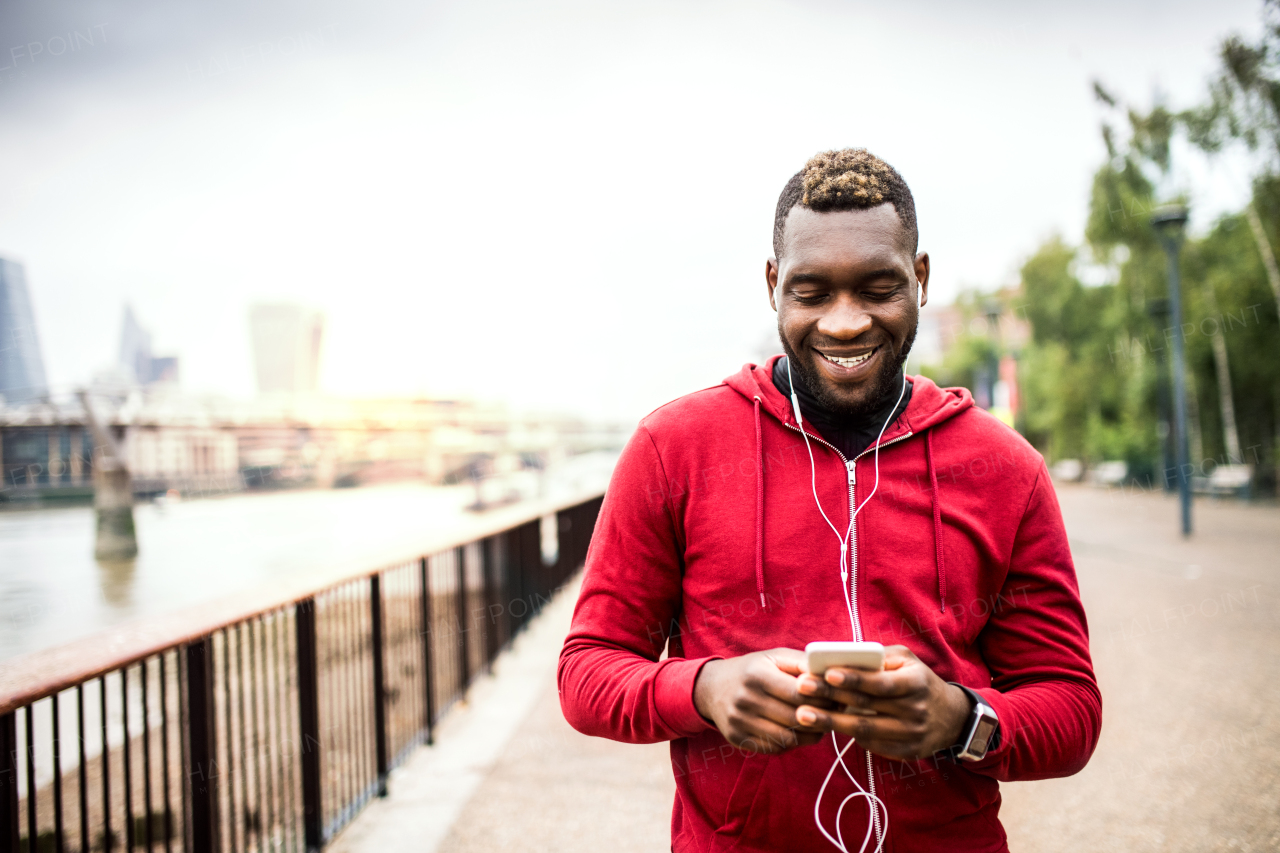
(510, 583)
(531, 557)
(201, 734)
(569, 521)
(489, 568)
(576, 530)
(557, 567)
(309, 723)
(515, 580)
(379, 684)
(428, 674)
(9, 782)
(464, 657)
(533, 547)
(502, 571)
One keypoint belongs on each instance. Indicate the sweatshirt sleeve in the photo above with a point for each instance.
(1043, 688)
(611, 681)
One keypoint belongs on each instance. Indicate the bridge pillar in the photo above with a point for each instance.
(113, 506)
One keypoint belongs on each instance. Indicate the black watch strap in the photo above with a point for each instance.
(975, 699)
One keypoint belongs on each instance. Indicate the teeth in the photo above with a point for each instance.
(848, 362)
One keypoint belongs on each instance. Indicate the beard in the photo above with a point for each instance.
(884, 385)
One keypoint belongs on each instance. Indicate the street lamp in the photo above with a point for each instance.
(1170, 222)
(1158, 309)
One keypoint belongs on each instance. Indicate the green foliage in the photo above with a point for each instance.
(1083, 383)
(1098, 360)
(1227, 294)
(1120, 208)
(1244, 100)
(1091, 374)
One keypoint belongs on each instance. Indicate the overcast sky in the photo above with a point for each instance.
(566, 205)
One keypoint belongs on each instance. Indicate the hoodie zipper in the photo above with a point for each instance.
(853, 596)
(851, 592)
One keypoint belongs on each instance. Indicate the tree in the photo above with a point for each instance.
(1244, 108)
(1147, 160)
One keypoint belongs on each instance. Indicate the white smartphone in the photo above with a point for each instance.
(819, 657)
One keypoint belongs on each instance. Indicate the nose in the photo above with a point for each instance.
(844, 319)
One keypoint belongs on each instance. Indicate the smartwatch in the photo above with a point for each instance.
(981, 732)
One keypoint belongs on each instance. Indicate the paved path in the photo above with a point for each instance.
(1186, 645)
(1186, 641)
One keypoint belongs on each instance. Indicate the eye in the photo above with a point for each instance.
(808, 298)
(881, 295)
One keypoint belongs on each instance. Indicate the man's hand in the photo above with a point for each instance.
(916, 713)
(752, 700)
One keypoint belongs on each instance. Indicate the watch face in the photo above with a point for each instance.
(982, 736)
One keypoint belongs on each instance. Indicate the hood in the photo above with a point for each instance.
(929, 406)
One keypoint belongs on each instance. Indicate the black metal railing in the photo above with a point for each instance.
(271, 729)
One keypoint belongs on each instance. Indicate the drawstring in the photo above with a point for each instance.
(937, 520)
(759, 509)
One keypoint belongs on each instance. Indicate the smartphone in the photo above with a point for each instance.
(819, 657)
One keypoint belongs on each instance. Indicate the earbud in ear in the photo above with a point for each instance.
(795, 399)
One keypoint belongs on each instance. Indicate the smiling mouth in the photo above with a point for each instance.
(847, 363)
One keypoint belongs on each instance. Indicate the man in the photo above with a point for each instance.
(721, 541)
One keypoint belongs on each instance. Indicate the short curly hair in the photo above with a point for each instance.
(850, 179)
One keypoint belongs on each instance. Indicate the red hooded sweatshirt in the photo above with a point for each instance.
(709, 544)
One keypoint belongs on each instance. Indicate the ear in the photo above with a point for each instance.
(771, 279)
(922, 276)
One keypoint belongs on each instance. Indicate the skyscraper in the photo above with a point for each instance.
(135, 348)
(136, 360)
(286, 347)
(22, 376)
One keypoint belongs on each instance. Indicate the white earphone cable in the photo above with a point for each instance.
(879, 823)
(845, 544)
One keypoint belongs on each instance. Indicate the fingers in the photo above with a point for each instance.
(760, 713)
(895, 712)
(766, 737)
(775, 711)
(822, 695)
(887, 736)
(786, 687)
(904, 680)
(775, 742)
(818, 691)
(808, 738)
(753, 700)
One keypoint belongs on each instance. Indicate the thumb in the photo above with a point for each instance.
(790, 661)
(896, 657)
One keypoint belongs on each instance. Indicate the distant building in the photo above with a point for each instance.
(944, 347)
(136, 360)
(164, 369)
(286, 347)
(938, 330)
(22, 377)
(206, 446)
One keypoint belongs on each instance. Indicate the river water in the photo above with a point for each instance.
(53, 591)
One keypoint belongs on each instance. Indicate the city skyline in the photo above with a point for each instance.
(458, 198)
